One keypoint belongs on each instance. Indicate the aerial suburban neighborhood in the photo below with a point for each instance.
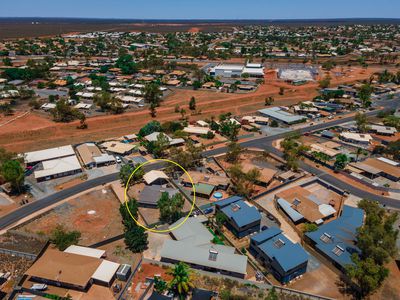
(199, 159)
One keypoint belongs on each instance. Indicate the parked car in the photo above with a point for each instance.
(208, 210)
(118, 159)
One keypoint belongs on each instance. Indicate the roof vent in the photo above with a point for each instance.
(235, 207)
(212, 255)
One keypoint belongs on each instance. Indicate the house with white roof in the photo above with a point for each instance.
(356, 138)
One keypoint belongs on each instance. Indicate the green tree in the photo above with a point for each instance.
(392, 121)
(170, 207)
(63, 112)
(340, 162)
(377, 241)
(136, 239)
(233, 153)
(328, 65)
(152, 95)
(230, 129)
(82, 121)
(126, 171)
(12, 172)
(362, 122)
(182, 280)
(107, 102)
(63, 238)
(158, 147)
(365, 94)
(220, 219)
(126, 64)
(269, 101)
(243, 182)
(292, 151)
(160, 285)
(192, 103)
(5, 155)
(7, 62)
(274, 123)
(188, 158)
(127, 210)
(325, 82)
(149, 128)
(272, 294)
(309, 227)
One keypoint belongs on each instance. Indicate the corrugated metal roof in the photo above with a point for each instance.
(241, 213)
(47, 154)
(341, 232)
(266, 235)
(227, 201)
(193, 245)
(293, 214)
(279, 248)
(186, 252)
(277, 113)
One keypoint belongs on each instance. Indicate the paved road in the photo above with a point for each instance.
(339, 183)
(264, 142)
(40, 204)
(33, 207)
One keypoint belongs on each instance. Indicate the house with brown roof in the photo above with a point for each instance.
(220, 182)
(313, 202)
(375, 167)
(71, 271)
(91, 156)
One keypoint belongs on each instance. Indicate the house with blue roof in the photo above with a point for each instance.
(336, 240)
(285, 259)
(242, 218)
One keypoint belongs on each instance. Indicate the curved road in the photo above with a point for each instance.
(264, 142)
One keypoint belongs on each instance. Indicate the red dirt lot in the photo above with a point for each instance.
(35, 132)
(146, 271)
(95, 214)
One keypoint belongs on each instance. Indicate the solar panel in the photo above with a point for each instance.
(279, 243)
(326, 238)
(296, 202)
(338, 250)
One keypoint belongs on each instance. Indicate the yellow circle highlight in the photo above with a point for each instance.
(127, 187)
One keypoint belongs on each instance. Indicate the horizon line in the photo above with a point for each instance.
(206, 19)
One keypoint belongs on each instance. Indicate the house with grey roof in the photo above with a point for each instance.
(150, 195)
(193, 245)
(242, 218)
(280, 115)
(285, 260)
(172, 142)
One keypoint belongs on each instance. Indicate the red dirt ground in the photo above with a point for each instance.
(194, 29)
(35, 132)
(74, 215)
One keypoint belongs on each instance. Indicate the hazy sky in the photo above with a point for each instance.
(202, 9)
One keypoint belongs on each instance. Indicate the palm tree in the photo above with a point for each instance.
(181, 282)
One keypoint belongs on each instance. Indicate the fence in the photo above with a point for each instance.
(128, 282)
(279, 289)
(18, 253)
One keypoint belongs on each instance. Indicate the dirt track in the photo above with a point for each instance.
(36, 132)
